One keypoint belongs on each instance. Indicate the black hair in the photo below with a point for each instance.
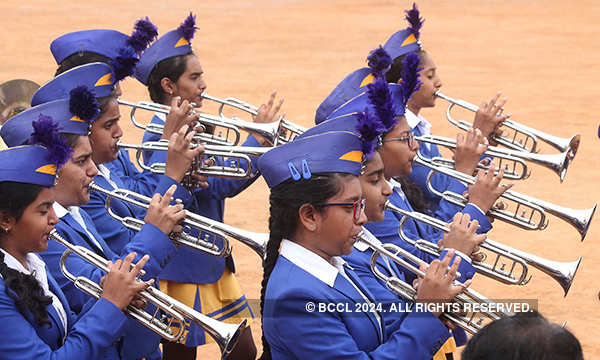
(524, 336)
(24, 289)
(80, 58)
(285, 201)
(395, 72)
(171, 68)
(414, 194)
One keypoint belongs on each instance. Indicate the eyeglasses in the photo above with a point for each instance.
(358, 207)
(410, 138)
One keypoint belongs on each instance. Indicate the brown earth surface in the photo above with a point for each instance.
(544, 55)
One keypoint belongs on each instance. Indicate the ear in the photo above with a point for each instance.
(168, 86)
(309, 217)
(6, 221)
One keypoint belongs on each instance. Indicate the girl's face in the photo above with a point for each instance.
(190, 84)
(74, 178)
(105, 134)
(375, 189)
(430, 83)
(30, 232)
(336, 229)
(397, 154)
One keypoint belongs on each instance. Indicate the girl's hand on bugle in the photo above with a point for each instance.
(121, 284)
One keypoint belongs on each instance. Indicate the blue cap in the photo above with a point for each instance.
(402, 42)
(104, 42)
(96, 76)
(27, 164)
(361, 102)
(174, 43)
(351, 86)
(331, 152)
(17, 130)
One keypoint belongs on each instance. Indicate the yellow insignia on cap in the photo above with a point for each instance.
(77, 118)
(49, 169)
(367, 80)
(409, 40)
(181, 42)
(104, 80)
(355, 156)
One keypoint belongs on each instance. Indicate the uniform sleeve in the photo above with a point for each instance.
(141, 182)
(91, 335)
(323, 335)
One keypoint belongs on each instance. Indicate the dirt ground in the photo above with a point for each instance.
(544, 55)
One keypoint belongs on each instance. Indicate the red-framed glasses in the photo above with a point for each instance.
(358, 207)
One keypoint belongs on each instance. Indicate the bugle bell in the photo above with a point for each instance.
(524, 138)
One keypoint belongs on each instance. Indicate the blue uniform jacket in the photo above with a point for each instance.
(294, 332)
(89, 337)
(112, 231)
(360, 261)
(387, 231)
(191, 266)
(138, 341)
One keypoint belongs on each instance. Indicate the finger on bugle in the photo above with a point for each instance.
(561, 272)
(528, 212)
(256, 241)
(170, 318)
(524, 138)
(471, 322)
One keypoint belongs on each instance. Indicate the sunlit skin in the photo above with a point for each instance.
(397, 155)
(74, 178)
(190, 84)
(29, 233)
(331, 231)
(430, 83)
(105, 134)
(375, 188)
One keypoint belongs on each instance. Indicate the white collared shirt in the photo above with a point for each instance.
(75, 213)
(321, 269)
(38, 271)
(418, 121)
(105, 173)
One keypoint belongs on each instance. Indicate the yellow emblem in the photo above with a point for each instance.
(367, 80)
(104, 80)
(181, 42)
(355, 156)
(77, 118)
(49, 169)
(409, 40)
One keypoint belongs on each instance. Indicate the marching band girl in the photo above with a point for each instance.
(76, 226)
(171, 70)
(316, 214)
(37, 318)
(398, 46)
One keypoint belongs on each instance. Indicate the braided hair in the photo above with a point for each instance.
(285, 202)
(23, 289)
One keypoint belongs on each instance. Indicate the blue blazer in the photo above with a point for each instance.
(293, 332)
(112, 231)
(138, 341)
(89, 337)
(360, 261)
(387, 231)
(191, 266)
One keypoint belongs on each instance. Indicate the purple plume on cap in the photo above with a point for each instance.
(124, 64)
(379, 61)
(83, 103)
(410, 76)
(144, 32)
(46, 133)
(188, 27)
(380, 97)
(414, 20)
(369, 129)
